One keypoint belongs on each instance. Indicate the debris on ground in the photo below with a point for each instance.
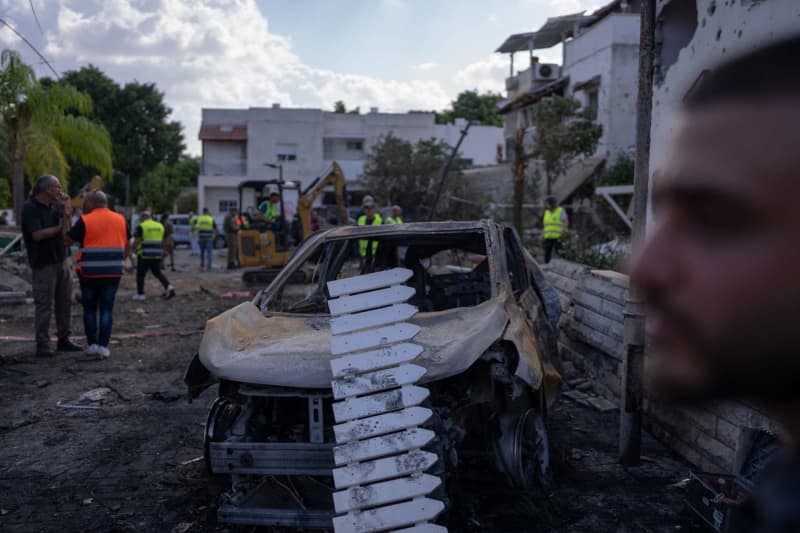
(95, 395)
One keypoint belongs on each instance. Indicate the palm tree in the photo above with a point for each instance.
(43, 125)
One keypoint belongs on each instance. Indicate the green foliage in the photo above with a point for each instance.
(399, 172)
(137, 119)
(43, 124)
(5, 192)
(161, 186)
(479, 108)
(620, 172)
(186, 201)
(562, 134)
(340, 107)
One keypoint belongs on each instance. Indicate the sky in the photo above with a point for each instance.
(397, 55)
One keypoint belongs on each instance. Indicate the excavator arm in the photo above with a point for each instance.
(94, 184)
(336, 178)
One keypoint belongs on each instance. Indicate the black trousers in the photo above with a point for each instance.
(550, 245)
(154, 266)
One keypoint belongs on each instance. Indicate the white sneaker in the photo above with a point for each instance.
(92, 349)
(138, 297)
(103, 351)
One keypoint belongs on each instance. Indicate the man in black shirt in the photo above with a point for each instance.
(44, 222)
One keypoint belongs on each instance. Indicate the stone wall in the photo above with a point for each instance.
(714, 437)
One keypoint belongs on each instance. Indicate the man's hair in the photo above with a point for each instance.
(769, 72)
(97, 198)
(42, 182)
(205, 210)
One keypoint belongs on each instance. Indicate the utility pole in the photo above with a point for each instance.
(447, 169)
(632, 389)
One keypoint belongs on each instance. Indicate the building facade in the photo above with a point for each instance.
(599, 69)
(239, 144)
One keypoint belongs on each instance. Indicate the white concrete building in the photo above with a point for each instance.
(600, 70)
(238, 144)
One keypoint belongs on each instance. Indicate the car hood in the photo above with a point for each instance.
(243, 345)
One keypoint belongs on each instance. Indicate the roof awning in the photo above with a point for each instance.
(591, 83)
(218, 132)
(555, 30)
(568, 182)
(531, 97)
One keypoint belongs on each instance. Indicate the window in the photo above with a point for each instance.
(355, 146)
(227, 205)
(327, 149)
(591, 104)
(286, 152)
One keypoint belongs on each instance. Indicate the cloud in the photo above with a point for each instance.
(492, 19)
(218, 53)
(426, 67)
(484, 75)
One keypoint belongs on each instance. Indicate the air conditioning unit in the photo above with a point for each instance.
(546, 71)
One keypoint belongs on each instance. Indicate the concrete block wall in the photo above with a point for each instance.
(714, 437)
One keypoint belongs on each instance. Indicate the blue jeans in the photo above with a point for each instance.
(206, 248)
(98, 293)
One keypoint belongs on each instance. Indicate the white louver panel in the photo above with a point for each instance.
(380, 479)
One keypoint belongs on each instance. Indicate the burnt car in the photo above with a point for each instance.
(487, 320)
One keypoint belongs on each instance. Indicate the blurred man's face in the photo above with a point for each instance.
(721, 268)
(53, 190)
(396, 212)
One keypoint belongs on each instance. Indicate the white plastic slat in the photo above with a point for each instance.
(369, 282)
(341, 344)
(382, 402)
(371, 319)
(348, 365)
(370, 300)
(383, 469)
(423, 528)
(373, 426)
(384, 493)
(376, 381)
(389, 517)
(394, 443)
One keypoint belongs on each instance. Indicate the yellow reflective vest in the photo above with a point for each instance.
(394, 220)
(377, 220)
(205, 227)
(553, 225)
(152, 240)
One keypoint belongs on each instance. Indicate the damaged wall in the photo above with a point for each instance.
(715, 437)
(695, 35)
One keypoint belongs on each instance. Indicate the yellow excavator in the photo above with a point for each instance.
(266, 245)
(94, 184)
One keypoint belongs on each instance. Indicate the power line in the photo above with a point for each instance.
(35, 17)
(26, 41)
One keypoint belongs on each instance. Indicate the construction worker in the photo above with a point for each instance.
(555, 224)
(149, 244)
(206, 232)
(271, 209)
(371, 217)
(396, 217)
(103, 237)
(193, 242)
(232, 224)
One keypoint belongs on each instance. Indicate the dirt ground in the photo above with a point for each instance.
(129, 461)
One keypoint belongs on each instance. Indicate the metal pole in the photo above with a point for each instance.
(447, 169)
(632, 389)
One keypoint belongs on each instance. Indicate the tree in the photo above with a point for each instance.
(399, 172)
(469, 105)
(138, 121)
(340, 107)
(162, 185)
(43, 125)
(562, 134)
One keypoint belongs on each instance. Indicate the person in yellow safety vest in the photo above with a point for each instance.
(206, 231)
(396, 217)
(149, 242)
(555, 224)
(271, 209)
(371, 217)
(194, 245)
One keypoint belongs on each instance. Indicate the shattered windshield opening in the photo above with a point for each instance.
(450, 270)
